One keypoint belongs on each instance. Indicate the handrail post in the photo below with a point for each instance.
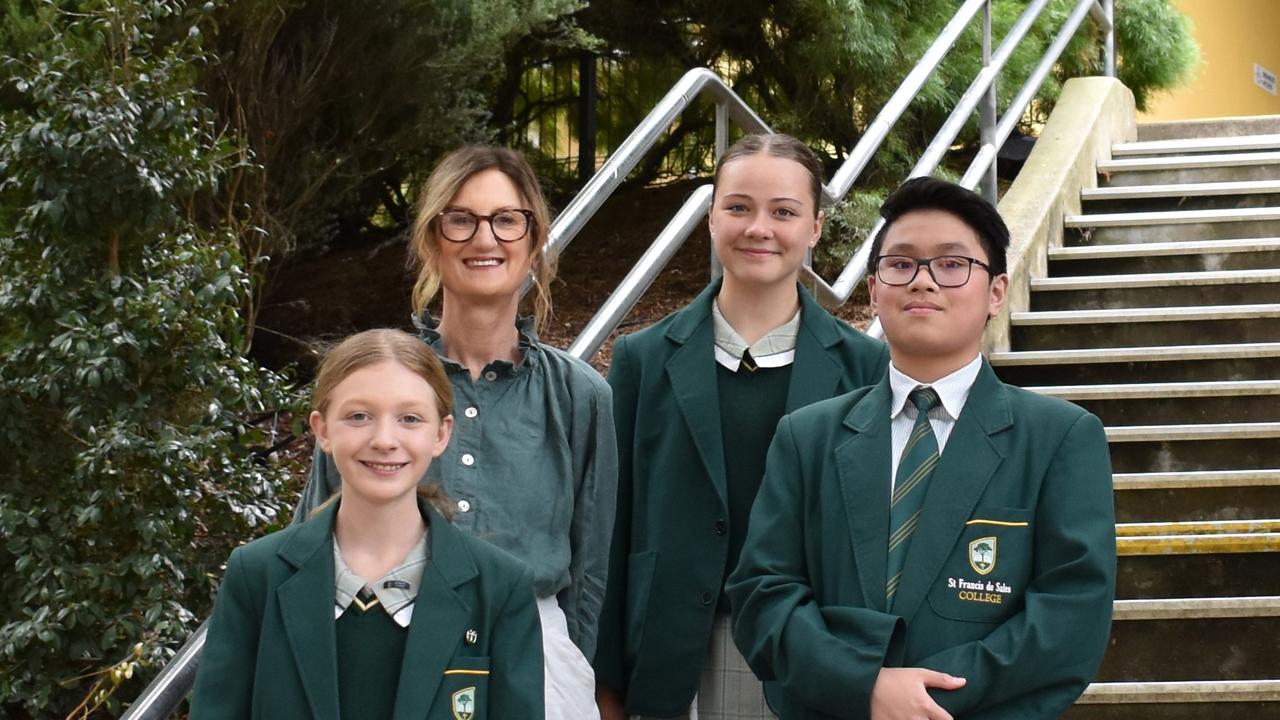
(988, 111)
(722, 144)
(1109, 52)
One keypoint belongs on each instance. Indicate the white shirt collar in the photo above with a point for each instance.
(776, 349)
(953, 389)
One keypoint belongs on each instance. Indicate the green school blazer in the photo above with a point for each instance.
(1009, 577)
(271, 648)
(671, 540)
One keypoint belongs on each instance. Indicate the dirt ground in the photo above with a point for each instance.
(322, 296)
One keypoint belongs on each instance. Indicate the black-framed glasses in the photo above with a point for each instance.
(947, 270)
(506, 225)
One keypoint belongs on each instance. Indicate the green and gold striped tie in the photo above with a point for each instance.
(919, 457)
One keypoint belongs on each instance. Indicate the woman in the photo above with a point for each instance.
(696, 399)
(532, 465)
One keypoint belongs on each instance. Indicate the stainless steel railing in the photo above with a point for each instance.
(994, 132)
(166, 692)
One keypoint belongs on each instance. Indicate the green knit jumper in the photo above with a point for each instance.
(370, 651)
(751, 404)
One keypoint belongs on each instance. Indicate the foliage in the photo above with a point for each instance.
(343, 105)
(822, 70)
(131, 464)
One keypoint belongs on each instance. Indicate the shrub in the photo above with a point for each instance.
(134, 452)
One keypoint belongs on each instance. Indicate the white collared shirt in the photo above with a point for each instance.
(396, 591)
(953, 390)
(776, 349)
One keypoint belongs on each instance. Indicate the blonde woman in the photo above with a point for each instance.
(532, 466)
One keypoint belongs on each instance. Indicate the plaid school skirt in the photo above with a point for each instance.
(728, 689)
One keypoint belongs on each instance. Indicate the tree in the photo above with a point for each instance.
(134, 452)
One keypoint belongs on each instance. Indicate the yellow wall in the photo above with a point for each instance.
(1233, 35)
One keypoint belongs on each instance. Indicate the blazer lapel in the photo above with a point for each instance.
(863, 463)
(815, 375)
(692, 373)
(440, 616)
(306, 604)
(968, 462)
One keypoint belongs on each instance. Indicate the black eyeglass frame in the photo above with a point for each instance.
(928, 264)
(529, 223)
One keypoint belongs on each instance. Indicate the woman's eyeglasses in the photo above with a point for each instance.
(506, 225)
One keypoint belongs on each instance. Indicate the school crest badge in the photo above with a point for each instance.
(982, 555)
(464, 703)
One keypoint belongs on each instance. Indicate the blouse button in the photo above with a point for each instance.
(490, 375)
(464, 506)
(471, 412)
(468, 459)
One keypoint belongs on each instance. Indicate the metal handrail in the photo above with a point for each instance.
(982, 167)
(166, 692)
(994, 134)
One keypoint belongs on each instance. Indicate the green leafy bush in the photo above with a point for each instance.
(135, 451)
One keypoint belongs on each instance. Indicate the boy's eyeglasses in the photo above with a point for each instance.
(460, 226)
(947, 270)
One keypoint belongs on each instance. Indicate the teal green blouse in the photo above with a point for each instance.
(532, 468)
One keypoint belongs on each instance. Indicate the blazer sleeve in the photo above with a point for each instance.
(516, 656)
(825, 658)
(228, 662)
(593, 513)
(609, 664)
(1049, 652)
(322, 482)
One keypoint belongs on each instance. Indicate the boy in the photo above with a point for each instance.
(939, 544)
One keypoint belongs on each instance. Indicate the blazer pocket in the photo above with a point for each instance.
(466, 687)
(984, 578)
(640, 570)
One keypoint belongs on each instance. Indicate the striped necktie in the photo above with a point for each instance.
(919, 457)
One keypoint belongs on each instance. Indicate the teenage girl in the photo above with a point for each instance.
(696, 400)
(376, 606)
(532, 466)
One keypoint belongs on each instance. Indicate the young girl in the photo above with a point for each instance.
(532, 466)
(376, 606)
(696, 400)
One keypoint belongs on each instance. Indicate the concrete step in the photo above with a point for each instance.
(1189, 363)
(1185, 169)
(1197, 496)
(1189, 196)
(1186, 146)
(1194, 447)
(1171, 226)
(1152, 567)
(1175, 403)
(1197, 528)
(1149, 639)
(1209, 127)
(1157, 257)
(1095, 292)
(1188, 700)
(1145, 327)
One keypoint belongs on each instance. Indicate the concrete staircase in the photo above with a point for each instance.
(1161, 314)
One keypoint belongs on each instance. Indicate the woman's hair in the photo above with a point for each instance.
(780, 146)
(443, 185)
(387, 345)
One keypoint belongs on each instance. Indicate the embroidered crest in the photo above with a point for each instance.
(982, 555)
(464, 703)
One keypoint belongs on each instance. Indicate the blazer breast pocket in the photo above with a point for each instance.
(465, 689)
(984, 578)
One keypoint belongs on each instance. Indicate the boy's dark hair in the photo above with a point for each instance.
(929, 193)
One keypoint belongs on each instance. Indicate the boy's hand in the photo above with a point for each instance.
(901, 694)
